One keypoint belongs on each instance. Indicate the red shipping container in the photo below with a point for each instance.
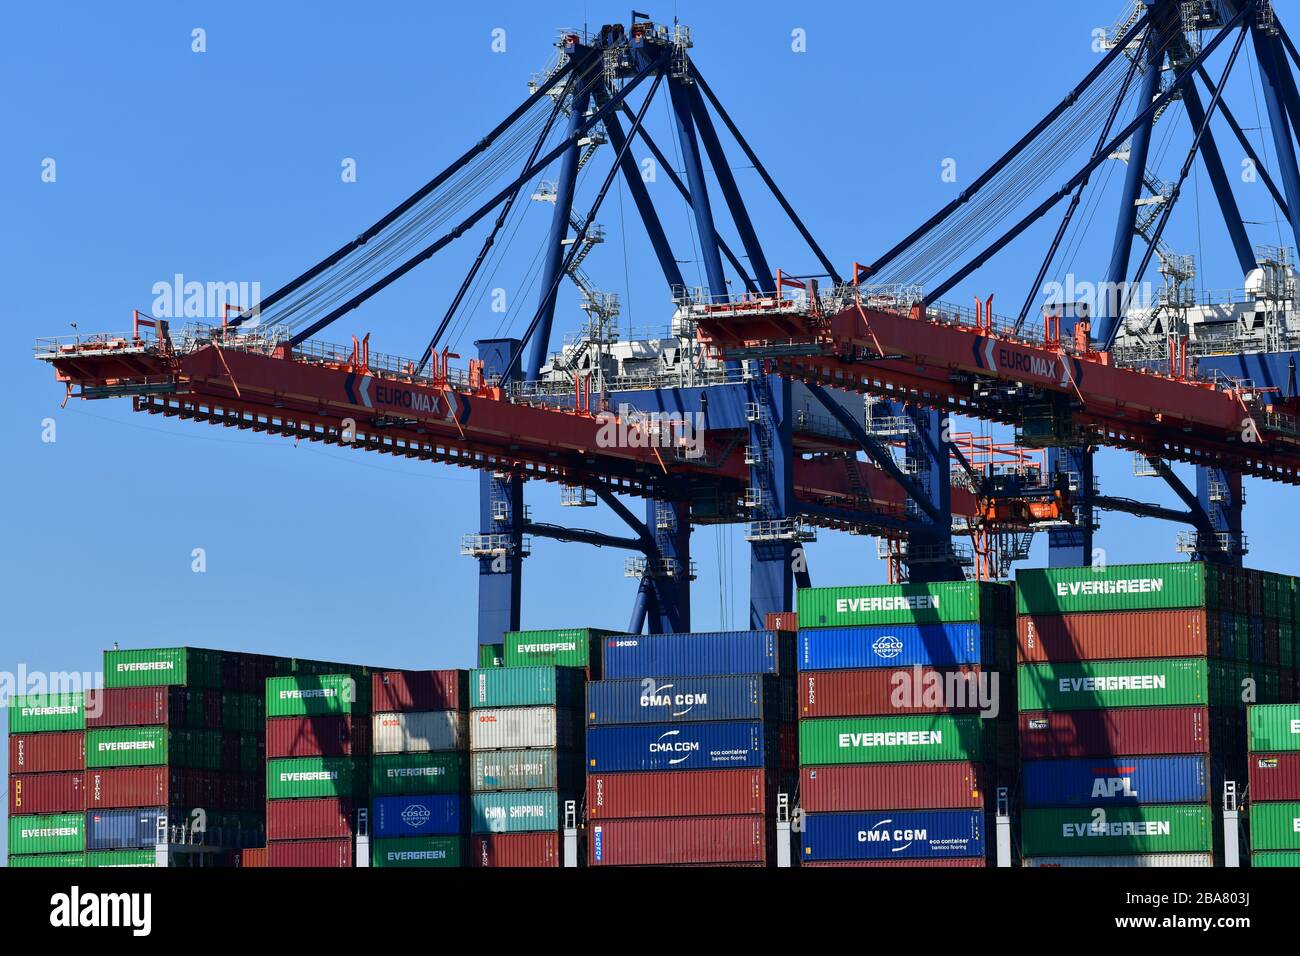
(515, 849)
(682, 793)
(135, 706)
(684, 840)
(957, 785)
(1131, 731)
(419, 690)
(781, 621)
(252, 857)
(46, 793)
(47, 752)
(1115, 635)
(869, 691)
(332, 736)
(126, 787)
(1275, 776)
(314, 853)
(310, 819)
(964, 861)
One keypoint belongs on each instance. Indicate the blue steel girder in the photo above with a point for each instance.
(1072, 547)
(730, 191)
(700, 205)
(771, 476)
(555, 247)
(1221, 500)
(1275, 99)
(500, 576)
(669, 571)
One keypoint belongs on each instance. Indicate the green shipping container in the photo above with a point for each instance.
(491, 655)
(1275, 826)
(527, 687)
(48, 833)
(1274, 726)
(1119, 587)
(54, 859)
(400, 774)
(1096, 685)
(1182, 828)
(565, 647)
(292, 777)
(945, 602)
(316, 695)
(131, 858)
(515, 811)
(1266, 858)
(418, 851)
(191, 666)
(921, 737)
(154, 746)
(38, 713)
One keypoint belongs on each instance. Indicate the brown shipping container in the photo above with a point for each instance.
(965, 861)
(781, 621)
(252, 857)
(47, 753)
(1131, 731)
(126, 787)
(515, 849)
(132, 706)
(894, 786)
(868, 691)
(311, 819)
(398, 691)
(682, 793)
(46, 793)
(662, 842)
(336, 735)
(1273, 776)
(1112, 635)
(315, 853)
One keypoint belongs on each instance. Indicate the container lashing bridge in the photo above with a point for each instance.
(804, 372)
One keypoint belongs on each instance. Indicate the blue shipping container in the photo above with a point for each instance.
(844, 648)
(698, 655)
(1096, 781)
(679, 746)
(123, 829)
(894, 835)
(416, 816)
(646, 700)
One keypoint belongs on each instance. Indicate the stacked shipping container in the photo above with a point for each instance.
(525, 754)
(902, 698)
(689, 740)
(419, 778)
(1131, 685)
(47, 823)
(173, 754)
(1274, 784)
(316, 772)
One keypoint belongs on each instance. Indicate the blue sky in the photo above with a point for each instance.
(225, 166)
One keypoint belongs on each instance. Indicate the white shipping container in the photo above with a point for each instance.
(498, 728)
(418, 732)
(1144, 860)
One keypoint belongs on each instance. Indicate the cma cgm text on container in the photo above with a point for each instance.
(650, 700)
(901, 834)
